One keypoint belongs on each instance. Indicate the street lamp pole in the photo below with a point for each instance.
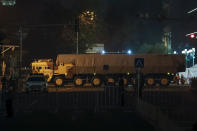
(193, 55)
(77, 42)
(77, 32)
(21, 47)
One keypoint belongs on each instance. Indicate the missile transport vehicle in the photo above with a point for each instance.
(108, 69)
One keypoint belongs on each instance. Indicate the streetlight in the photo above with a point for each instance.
(193, 10)
(191, 35)
(77, 22)
(129, 52)
(8, 2)
(175, 52)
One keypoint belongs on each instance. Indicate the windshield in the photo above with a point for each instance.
(36, 79)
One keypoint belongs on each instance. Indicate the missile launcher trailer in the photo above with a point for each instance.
(108, 69)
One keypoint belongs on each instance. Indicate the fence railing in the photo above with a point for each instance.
(178, 105)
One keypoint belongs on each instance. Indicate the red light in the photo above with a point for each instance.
(192, 36)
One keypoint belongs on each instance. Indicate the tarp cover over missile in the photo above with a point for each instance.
(122, 63)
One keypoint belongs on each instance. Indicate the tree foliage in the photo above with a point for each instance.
(90, 32)
(2, 36)
(152, 49)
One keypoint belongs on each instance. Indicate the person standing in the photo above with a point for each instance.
(182, 79)
(4, 88)
(177, 79)
(9, 98)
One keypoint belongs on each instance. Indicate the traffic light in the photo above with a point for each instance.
(192, 36)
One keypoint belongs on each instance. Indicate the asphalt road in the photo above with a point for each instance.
(179, 102)
(40, 121)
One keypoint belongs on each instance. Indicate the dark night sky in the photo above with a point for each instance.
(125, 29)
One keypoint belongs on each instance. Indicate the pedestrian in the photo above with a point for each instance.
(9, 103)
(11, 83)
(4, 87)
(182, 79)
(9, 98)
(177, 79)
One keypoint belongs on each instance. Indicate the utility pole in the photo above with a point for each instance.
(3, 64)
(21, 47)
(77, 43)
(77, 32)
(6, 48)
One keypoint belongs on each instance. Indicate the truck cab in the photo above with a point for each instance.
(55, 74)
(43, 66)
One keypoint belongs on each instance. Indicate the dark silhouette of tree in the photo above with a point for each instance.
(2, 36)
(152, 49)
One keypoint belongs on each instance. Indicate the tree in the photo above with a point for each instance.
(2, 36)
(92, 30)
(152, 49)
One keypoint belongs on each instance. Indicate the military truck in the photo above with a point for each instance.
(108, 69)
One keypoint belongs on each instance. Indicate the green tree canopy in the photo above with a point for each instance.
(152, 49)
(91, 31)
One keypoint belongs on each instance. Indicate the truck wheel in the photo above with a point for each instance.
(96, 81)
(150, 81)
(110, 81)
(164, 81)
(78, 81)
(125, 81)
(59, 81)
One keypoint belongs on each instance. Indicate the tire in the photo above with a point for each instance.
(164, 81)
(125, 81)
(96, 81)
(110, 81)
(59, 81)
(78, 81)
(150, 81)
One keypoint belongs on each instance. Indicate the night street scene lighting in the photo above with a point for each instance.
(129, 52)
(98, 65)
(192, 35)
(191, 11)
(175, 52)
(8, 2)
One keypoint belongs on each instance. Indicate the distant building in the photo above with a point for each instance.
(8, 2)
(95, 48)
